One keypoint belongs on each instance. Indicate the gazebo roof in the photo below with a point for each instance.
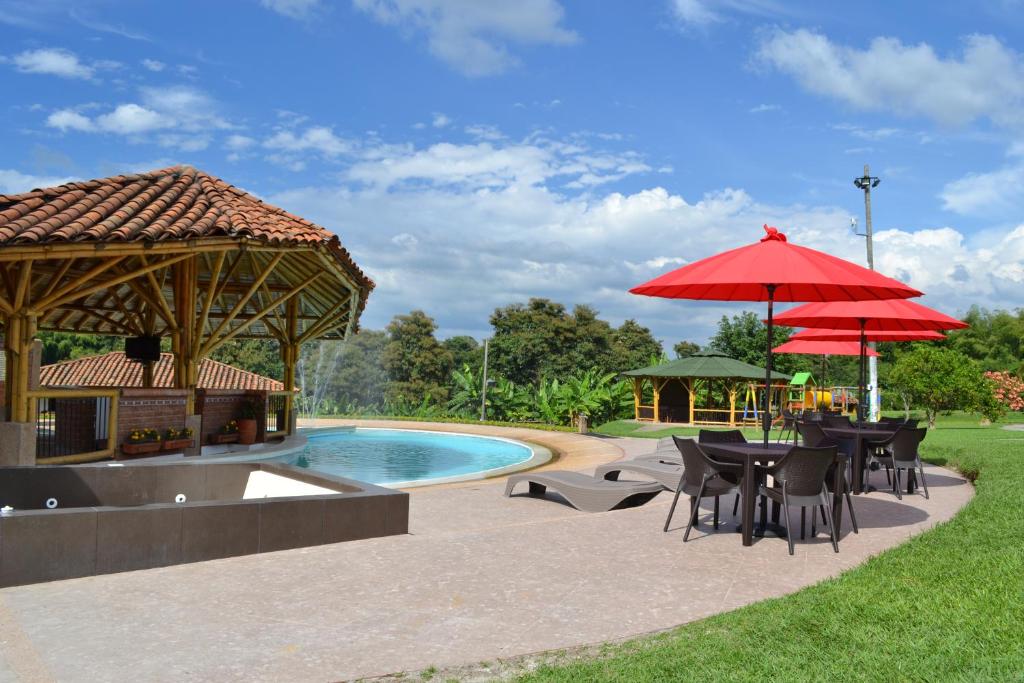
(705, 364)
(115, 370)
(120, 240)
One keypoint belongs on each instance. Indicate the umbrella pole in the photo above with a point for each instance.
(766, 416)
(860, 395)
(822, 380)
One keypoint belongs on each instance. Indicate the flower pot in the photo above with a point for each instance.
(140, 447)
(177, 444)
(247, 431)
(223, 438)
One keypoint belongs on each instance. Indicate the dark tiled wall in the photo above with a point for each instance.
(45, 545)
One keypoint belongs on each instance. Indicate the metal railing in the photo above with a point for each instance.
(74, 425)
(278, 411)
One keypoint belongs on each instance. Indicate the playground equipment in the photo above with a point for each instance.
(753, 397)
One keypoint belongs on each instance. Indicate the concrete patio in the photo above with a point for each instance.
(480, 577)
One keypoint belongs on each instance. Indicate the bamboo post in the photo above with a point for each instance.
(732, 405)
(657, 399)
(290, 357)
(693, 396)
(637, 397)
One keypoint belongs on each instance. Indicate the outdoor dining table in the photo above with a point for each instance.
(860, 436)
(758, 455)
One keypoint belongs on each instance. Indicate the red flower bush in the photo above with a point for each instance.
(1008, 389)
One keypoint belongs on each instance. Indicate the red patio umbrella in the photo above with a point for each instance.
(822, 348)
(813, 347)
(811, 334)
(869, 316)
(774, 270)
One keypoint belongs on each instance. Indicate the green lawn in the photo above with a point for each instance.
(946, 605)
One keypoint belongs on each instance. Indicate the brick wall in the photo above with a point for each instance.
(155, 408)
(220, 406)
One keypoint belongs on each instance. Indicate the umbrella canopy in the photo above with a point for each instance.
(822, 348)
(796, 273)
(812, 334)
(869, 316)
(705, 364)
(895, 315)
(774, 270)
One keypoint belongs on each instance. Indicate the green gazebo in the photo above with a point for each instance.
(702, 389)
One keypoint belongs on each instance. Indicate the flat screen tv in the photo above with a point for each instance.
(142, 349)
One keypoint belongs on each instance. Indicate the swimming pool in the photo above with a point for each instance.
(403, 456)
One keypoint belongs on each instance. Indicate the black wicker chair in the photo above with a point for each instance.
(899, 452)
(788, 427)
(800, 480)
(841, 421)
(814, 437)
(703, 477)
(723, 436)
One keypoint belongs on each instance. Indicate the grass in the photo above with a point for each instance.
(946, 605)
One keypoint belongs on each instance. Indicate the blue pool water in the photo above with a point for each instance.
(389, 456)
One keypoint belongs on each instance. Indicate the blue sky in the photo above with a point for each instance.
(473, 153)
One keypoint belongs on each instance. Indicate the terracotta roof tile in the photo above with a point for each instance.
(172, 203)
(115, 370)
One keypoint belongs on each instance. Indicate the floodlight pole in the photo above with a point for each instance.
(865, 183)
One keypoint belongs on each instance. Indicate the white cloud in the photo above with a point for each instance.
(237, 143)
(52, 61)
(183, 116)
(473, 36)
(132, 119)
(986, 194)
(293, 9)
(153, 65)
(702, 13)
(440, 120)
(318, 139)
(425, 221)
(761, 108)
(986, 80)
(873, 134)
(16, 182)
(67, 119)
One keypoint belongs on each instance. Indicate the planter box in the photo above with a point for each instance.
(140, 448)
(177, 444)
(223, 438)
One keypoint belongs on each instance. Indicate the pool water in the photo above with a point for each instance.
(390, 456)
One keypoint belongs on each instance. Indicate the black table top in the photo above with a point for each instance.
(755, 450)
(854, 432)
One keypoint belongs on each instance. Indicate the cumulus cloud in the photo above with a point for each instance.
(440, 120)
(984, 80)
(426, 221)
(15, 182)
(53, 62)
(153, 65)
(472, 36)
(318, 139)
(183, 117)
(987, 194)
(702, 13)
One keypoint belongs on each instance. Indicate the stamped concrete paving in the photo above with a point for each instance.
(479, 577)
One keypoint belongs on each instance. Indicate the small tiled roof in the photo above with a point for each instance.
(115, 370)
(176, 203)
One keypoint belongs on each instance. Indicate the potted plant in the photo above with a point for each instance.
(177, 439)
(248, 414)
(227, 434)
(142, 441)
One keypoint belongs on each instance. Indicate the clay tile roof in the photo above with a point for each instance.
(115, 370)
(176, 203)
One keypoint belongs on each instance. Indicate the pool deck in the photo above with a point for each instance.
(478, 578)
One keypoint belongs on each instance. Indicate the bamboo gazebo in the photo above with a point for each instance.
(703, 388)
(171, 253)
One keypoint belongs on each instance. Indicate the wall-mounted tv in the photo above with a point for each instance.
(142, 349)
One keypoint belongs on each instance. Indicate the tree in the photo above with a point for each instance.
(58, 346)
(359, 381)
(995, 339)
(939, 379)
(685, 348)
(417, 366)
(262, 356)
(465, 351)
(744, 338)
(633, 346)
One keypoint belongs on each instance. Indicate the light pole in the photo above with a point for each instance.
(866, 182)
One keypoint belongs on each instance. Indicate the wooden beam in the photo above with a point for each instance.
(243, 300)
(153, 304)
(212, 344)
(61, 297)
(56, 278)
(208, 301)
(24, 277)
(100, 268)
(312, 331)
(157, 291)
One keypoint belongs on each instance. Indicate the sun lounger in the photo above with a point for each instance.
(585, 492)
(664, 473)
